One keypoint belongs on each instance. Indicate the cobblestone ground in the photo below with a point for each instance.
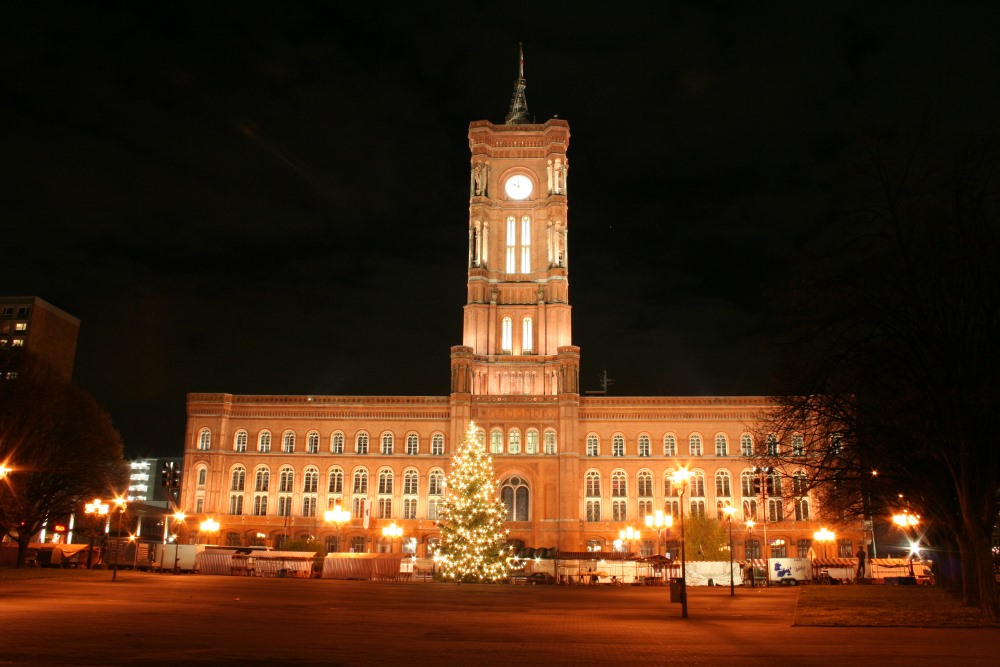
(152, 619)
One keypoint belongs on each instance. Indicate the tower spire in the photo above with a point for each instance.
(518, 112)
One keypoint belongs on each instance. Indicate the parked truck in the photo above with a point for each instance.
(789, 571)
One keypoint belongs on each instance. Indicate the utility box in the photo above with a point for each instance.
(677, 589)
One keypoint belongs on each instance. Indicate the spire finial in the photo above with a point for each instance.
(518, 112)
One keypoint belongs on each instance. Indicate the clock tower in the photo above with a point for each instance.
(517, 326)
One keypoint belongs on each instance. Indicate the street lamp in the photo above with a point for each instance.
(628, 535)
(392, 531)
(120, 504)
(338, 516)
(906, 521)
(749, 524)
(681, 478)
(824, 536)
(660, 522)
(98, 509)
(209, 525)
(730, 511)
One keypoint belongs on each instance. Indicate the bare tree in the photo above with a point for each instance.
(891, 372)
(59, 443)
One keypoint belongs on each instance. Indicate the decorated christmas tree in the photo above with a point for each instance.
(473, 543)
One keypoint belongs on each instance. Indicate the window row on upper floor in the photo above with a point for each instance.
(696, 446)
(362, 442)
(750, 484)
(384, 481)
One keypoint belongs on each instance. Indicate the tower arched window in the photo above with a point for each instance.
(525, 244)
(361, 443)
(205, 439)
(387, 443)
(496, 441)
(527, 336)
(721, 445)
(515, 496)
(240, 441)
(288, 442)
(511, 244)
(643, 445)
(506, 335)
(618, 445)
(514, 441)
(312, 442)
(746, 445)
(593, 446)
(550, 442)
(202, 476)
(437, 445)
(264, 441)
(531, 441)
(412, 444)
(337, 443)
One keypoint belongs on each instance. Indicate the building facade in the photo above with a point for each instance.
(573, 470)
(37, 326)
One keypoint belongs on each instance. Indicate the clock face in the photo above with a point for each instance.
(518, 186)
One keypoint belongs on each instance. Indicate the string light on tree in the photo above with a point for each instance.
(473, 545)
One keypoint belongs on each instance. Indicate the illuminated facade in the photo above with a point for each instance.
(573, 469)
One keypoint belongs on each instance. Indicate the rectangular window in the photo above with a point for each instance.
(309, 506)
(619, 511)
(409, 508)
(412, 444)
(385, 508)
(432, 508)
(593, 510)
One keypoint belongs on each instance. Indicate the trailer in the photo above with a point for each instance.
(176, 557)
(789, 571)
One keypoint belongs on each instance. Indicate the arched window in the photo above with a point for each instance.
(236, 503)
(260, 505)
(746, 483)
(802, 509)
(286, 480)
(336, 483)
(644, 480)
(746, 445)
(670, 445)
(361, 481)
(695, 444)
(593, 499)
(772, 445)
(531, 441)
(619, 484)
(798, 445)
(496, 441)
(310, 480)
(410, 479)
(800, 483)
(775, 509)
(262, 480)
(239, 479)
(511, 245)
(506, 335)
(774, 484)
(437, 445)
(205, 439)
(696, 484)
(264, 441)
(527, 336)
(288, 442)
(643, 445)
(361, 443)
(202, 476)
(435, 491)
(412, 444)
(312, 442)
(514, 441)
(550, 443)
(721, 445)
(387, 443)
(593, 446)
(618, 445)
(384, 481)
(240, 441)
(723, 484)
(515, 496)
(337, 443)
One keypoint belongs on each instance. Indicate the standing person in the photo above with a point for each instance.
(861, 563)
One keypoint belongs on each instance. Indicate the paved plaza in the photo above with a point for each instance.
(151, 619)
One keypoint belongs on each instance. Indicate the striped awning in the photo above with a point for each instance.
(835, 562)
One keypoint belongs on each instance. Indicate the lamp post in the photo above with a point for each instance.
(730, 511)
(749, 524)
(824, 536)
(98, 509)
(178, 518)
(629, 535)
(681, 478)
(905, 521)
(120, 504)
(337, 516)
(210, 526)
(392, 531)
(660, 522)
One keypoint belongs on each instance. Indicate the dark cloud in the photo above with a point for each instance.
(271, 197)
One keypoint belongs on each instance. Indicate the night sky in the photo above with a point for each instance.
(273, 197)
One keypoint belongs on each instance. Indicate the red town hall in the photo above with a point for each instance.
(573, 470)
